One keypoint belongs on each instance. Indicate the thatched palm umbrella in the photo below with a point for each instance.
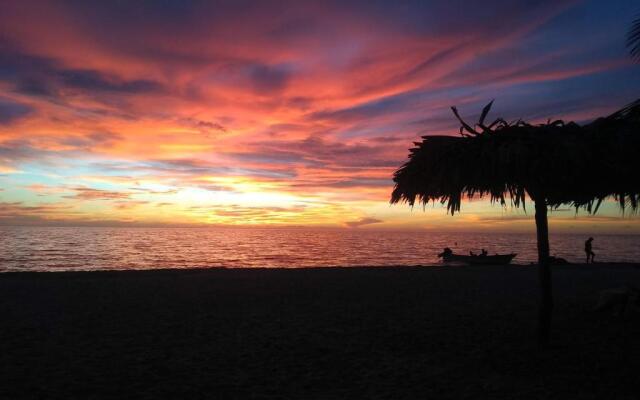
(552, 164)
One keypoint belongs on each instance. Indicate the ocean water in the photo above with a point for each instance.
(84, 248)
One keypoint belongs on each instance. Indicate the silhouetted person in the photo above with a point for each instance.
(484, 252)
(446, 253)
(588, 249)
(471, 253)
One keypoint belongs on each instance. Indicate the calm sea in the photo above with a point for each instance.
(64, 249)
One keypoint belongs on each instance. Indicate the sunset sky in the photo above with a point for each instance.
(276, 113)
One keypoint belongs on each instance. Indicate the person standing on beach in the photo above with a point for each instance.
(588, 249)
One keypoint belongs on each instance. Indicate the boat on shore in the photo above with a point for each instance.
(496, 259)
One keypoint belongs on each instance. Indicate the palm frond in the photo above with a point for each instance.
(633, 39)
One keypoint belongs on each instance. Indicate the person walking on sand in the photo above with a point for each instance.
(588, 249)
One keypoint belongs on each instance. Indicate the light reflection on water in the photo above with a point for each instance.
(83, 248)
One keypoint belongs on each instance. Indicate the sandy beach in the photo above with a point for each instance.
(401, 333)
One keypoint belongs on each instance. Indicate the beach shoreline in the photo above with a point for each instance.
(610, 265)
(329, 332)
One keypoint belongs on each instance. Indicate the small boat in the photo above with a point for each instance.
(497, 259)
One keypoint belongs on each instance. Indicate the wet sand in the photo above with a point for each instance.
(397, 333)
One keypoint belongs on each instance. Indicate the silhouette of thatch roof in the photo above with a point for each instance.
(561, 163)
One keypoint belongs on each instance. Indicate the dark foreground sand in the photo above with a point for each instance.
(403, 333)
